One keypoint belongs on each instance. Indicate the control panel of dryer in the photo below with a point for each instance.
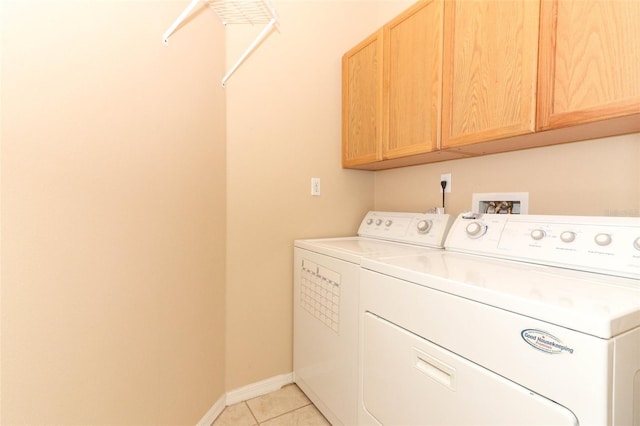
(414, 228)
(609, 245)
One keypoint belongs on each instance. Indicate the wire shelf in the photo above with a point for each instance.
(242, 11)
(234, 12)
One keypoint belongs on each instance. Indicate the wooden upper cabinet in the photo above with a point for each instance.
(589, 61)
(362, 102)
(489, 70)
(412, 80)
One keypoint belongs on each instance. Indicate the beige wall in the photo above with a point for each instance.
(284, 128)
(597, 177)
(114, 209)
(113, 214)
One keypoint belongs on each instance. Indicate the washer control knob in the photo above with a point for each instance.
(568, 236)
(369, 221)
(425, 225)
(378, 222)
(476, 229)
(636, 243)
(388, 222)
(538, 234)
(602, 239)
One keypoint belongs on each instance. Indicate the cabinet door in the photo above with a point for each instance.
(589, 61)
(413, 80)
(489, 70)
(362, 102)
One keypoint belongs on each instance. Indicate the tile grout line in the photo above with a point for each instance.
(251, 412)
(282, 414)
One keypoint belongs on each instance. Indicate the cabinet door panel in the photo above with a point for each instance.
(362, 102)
(589, 61)
(413, 84)
(490, 70)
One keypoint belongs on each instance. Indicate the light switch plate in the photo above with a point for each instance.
(315, 186)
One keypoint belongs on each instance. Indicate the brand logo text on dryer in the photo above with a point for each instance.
(545, 342)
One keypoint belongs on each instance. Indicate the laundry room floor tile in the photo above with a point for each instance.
(305, 416)
(287, 406)
(236, 415)
(285, 399)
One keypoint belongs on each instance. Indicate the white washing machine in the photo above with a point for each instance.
(326, 297)
(522, 320)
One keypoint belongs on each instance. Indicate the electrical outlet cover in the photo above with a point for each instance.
(445, 177)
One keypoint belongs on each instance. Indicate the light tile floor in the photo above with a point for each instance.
(287, 406)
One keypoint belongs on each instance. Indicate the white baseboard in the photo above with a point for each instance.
(213, 412)
(244, 393)
(259, 388)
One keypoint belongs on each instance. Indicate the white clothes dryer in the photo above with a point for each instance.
(522, 320)
(326, 298)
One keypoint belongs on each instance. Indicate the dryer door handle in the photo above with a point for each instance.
(434, 368)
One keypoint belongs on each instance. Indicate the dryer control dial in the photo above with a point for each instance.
(378, 222)
(568, 236)
(538, 234)
(476, 229)
(388, 222)
(424, 226)
(602, 239)
(636, 243)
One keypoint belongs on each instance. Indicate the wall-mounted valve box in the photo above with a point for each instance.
(500, 203)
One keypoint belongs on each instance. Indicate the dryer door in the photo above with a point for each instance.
(410, 381)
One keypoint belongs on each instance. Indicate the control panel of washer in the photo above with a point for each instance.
(608, 245)
(415, 228)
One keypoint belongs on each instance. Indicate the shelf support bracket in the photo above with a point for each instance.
(177, 22)
(242, 12)
(250, 49)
